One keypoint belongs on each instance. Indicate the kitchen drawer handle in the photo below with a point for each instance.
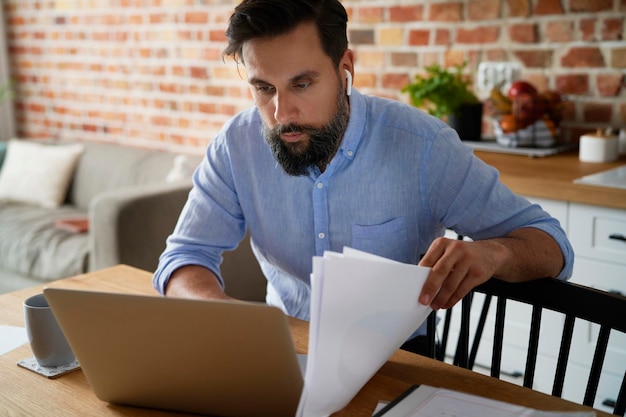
(609, 402)
(616, 236)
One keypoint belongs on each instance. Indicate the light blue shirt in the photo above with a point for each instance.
(399, 179)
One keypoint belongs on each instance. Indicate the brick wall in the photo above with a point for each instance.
(150, 72)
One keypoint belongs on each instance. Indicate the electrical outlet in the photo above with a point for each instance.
(492, 74)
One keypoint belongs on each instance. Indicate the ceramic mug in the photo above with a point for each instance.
(44, 334)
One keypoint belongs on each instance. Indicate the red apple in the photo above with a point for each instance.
(521, 87)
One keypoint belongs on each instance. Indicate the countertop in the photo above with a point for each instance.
(553, 177)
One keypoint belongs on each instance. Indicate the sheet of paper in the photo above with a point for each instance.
(363, 308)
(436, 402)
(11, 337)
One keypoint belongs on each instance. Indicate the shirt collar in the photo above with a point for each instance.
(356, 125)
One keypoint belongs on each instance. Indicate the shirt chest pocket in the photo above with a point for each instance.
(388, 239)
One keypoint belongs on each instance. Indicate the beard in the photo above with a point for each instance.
(323, 142)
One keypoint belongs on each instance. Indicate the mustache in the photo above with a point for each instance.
(292, 128)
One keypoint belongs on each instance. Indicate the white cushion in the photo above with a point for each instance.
(34, 173)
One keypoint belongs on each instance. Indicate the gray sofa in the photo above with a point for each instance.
(132, 204)
(131, 210)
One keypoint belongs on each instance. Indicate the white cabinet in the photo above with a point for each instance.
(598, 236)
(600, 261)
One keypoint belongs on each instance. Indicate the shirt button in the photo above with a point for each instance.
(320, 185)
(350, 153)
(321, 235)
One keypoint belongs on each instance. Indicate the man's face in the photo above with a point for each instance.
(300, 97)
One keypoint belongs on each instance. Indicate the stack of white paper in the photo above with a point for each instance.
(363, 307)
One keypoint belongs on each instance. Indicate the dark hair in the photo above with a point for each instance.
(270, 18)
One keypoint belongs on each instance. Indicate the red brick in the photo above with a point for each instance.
(484, 9)
(419, 37)
(442, 37)
(404, 59)
(158, 18)
(535, 58)
(161, 120)
(618, 58)
(212, 54)
(609, 85)
(577, 84)
(454, 57)
(406, 13)
(544, 7)
(184, 35)
(597, 112)
(622, 111)
(90, 128)
(196, 17)
(121, 36)
(559, 31)
(365, 80)
(486, 34)
(588, 29)
(169, 88)
(519, 8)
(100, 36)
(590, 5)
(583, 57)
(473, 59)
(207, 108)
(612, 29)
(395, 81)
(446, 12)
(217, 35)
(429, 58)
(135, 19)
(199, 72)
(361, 36)
(523, 32)
(369, 14)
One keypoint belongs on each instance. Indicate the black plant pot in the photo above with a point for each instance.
(468, 121)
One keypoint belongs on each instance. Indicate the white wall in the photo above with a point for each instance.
(7, 121)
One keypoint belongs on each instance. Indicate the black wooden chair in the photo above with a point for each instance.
(575, 302)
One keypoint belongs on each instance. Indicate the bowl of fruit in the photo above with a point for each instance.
(524, 117)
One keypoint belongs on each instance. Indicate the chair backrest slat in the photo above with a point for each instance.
(564, 349)
(533, 347)
(596, 365)
(484, 311)
(461, 357)
(498, 337)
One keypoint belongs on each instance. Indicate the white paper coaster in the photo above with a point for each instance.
(48, 371)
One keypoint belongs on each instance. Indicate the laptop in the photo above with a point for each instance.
(221, 358)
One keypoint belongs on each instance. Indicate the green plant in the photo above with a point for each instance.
(440, 91)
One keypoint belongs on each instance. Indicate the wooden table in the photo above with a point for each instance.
(23, 392)
(553, 177)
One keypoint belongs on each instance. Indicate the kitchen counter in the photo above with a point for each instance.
(553, 177)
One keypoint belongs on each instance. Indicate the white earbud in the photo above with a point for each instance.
(348, 83)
